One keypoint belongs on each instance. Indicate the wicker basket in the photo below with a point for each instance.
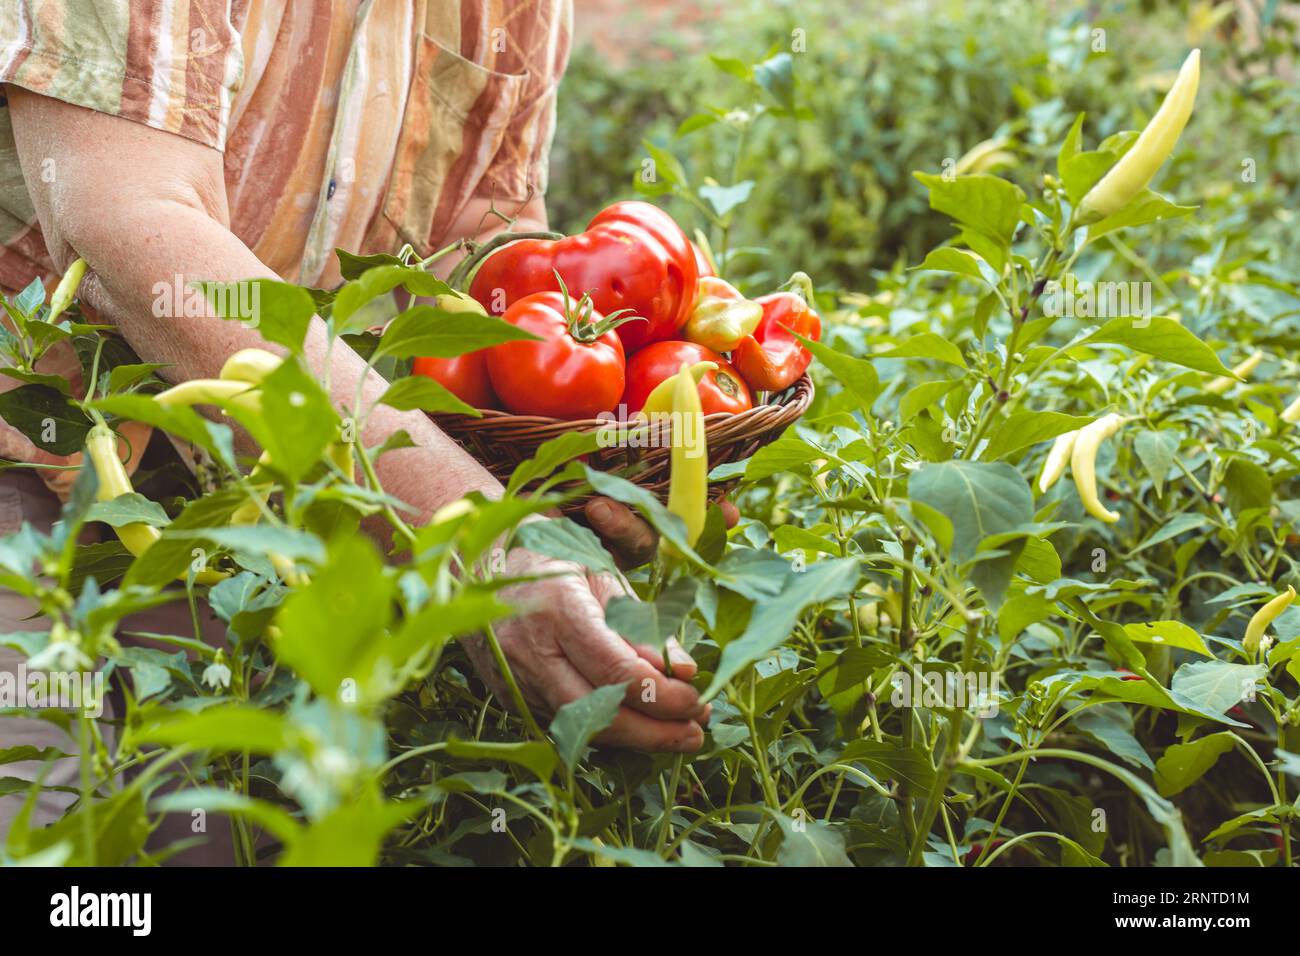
(501, 440)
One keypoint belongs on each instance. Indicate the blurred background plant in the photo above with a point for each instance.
(897, 87)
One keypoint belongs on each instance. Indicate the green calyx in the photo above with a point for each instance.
(578, 316)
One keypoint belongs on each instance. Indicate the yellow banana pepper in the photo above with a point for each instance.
(1083, 464)
(1135, 169)
(1262, 618)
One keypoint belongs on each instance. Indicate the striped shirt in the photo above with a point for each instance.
(357, 124)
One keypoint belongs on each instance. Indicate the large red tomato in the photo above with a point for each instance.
(575, 371)
(632, 256)
(722, 390)
(465, 376)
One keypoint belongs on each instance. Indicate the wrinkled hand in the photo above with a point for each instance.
(560, 649)
(629, 539)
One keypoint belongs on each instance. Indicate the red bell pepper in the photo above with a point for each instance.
(772, 359)
(632, 257)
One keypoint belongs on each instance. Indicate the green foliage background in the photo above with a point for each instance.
(899, 87)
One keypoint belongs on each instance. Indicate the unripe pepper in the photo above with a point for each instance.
(1083, 463)
(66, 290)
(136, 537)
(688, 488)
(1262, 618)
(1135, 169)
(722, 316)
(211, 391)
(1291, 414)
(1239, 372)
(250, 365)
(662, 397)
(1057, 459)
(772, 359)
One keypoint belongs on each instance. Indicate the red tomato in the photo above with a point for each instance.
(632, 256)
(465, 376)
(576, 371)
(722, 390)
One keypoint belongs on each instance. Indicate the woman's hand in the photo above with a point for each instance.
(629, 539)
(560, 649)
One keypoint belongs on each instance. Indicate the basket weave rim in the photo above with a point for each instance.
(799, 394)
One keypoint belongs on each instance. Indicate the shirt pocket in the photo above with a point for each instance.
(457, 115)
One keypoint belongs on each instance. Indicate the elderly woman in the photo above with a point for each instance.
(165, 141)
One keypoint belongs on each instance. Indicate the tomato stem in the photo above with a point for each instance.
(477, 252)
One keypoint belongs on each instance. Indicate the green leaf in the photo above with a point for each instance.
(551, 455)
(578, 721)
(810, 842)
(1021, 429)
(349, 835)
(184, 423)
(1070, 145)
(774, 618)
(1168, 634)
(123, 377)
(788, 453)
(922, 397)
(1156, 451)
(352, 266)
(724, 199)
(959, 261)
(267, 815)
(776, 76)
(169, 557)
(332, 628)
(131, 508)
(259, 539)
(1111, 725)
(225, 727)
(1217, 685)
(892, 761)
(536, 756)
(280, 312)
(422, 392)
(987, 204)
(980, 499)
(56, 382)
(1147, 207)
(1163, 338)
(1175, 526)
(856, 375)
(927, 345)
(297, 421)
(669, 526)
(1183, 764)
(652, 622)
(667, 167)
(1247, 485)
(426, 330)
(47, 417)
(568, 541)
(733, 67)
(380, 280)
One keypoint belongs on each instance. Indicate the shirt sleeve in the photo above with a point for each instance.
(173, 65)
(520, 167)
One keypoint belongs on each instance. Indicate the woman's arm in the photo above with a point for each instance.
(143, 206)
